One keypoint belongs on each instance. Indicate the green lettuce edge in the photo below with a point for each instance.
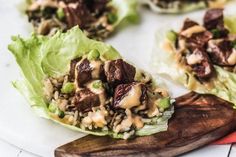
(185, 7)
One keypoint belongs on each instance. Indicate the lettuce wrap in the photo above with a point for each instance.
(167, 60)
(43, 58)
(181, 6)
(98, 19)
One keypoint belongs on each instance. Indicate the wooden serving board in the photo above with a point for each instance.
(198, 120)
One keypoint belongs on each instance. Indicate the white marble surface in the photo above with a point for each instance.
(19, 126)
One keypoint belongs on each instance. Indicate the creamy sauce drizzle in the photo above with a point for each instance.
(217, 3)
(194, 59)
(99, 91)
(96, 66)
(129, 121)
(232, 58)
(192, 30)
(133, 98)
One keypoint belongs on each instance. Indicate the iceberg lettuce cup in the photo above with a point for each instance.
(200, 56)
(86, 86)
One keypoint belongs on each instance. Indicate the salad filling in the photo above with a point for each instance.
(97, 18)
(107, 95)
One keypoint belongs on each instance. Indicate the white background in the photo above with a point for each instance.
(20, 127)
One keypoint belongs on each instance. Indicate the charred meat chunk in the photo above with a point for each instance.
(96, 6)
(200, 64)
(72, 69)
(82, 12)
(119, 72)
(198, 40)
(77, 14)
(188, 23)
(85, 100)
(131, 95)
(83, 72)
(194, 35)
(86, 70)
(214, 21)
(222, 52)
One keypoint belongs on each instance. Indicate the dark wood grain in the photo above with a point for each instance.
(197, 121)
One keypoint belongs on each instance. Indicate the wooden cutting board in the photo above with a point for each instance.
(198, 120)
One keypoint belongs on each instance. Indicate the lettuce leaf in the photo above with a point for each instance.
(230, 22)
(126, 11)
(40, 57)
(164, 63)
(183, 6)
(174, 9)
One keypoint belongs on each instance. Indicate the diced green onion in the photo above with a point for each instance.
(172, 36)
(112, 18)
(60, 114)
(52, 107)
(68, 87)
(216, 33)
(60, 13)
(93, 54)
(164, 103)
(234, 44)
(97, 84)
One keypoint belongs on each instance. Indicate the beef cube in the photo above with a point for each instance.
(222, 52)
(130, 95)
(72, 69)
(188, 24)
(214, 20)
(195, 35)
(201, 64)
(87, 70)
(198, 40)
(85, 100)
(119, 72)
(96, 5)
(83, 72)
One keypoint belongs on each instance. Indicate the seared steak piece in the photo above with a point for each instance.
(198, 40)
(188, 23)
(77, 14)
(87, 70)
(72, 69)
(119, 72)
(214, 20)
(201, 64)
(85, 100)
(83, 72)
(222, 52)
(96, 5)
(195, 35)
(130, 95)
